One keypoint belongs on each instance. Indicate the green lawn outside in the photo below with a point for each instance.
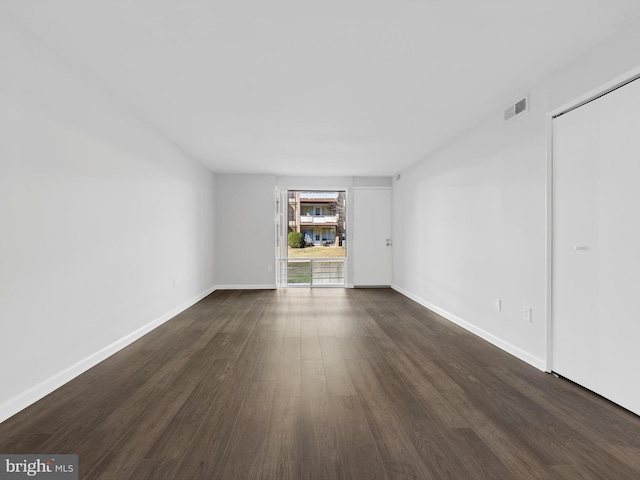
(299, 272)
(317, 252)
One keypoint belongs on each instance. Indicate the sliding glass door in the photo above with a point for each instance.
(311, 237)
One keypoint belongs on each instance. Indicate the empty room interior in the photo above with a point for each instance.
(320, 240)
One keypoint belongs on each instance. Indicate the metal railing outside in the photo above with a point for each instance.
(313, 271)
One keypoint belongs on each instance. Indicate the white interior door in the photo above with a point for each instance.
(371, 249)
(596, 262)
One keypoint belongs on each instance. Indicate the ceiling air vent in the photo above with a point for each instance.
(516, 109)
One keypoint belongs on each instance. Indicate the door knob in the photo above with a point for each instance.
(580, 248)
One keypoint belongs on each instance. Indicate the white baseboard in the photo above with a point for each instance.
(517, 352)
(246, 287)
(44, 388)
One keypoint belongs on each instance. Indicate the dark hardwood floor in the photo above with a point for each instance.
(324, 384)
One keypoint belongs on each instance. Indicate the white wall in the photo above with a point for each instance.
(470, 219)
(372, 181)
(245, 231)
(99, 215)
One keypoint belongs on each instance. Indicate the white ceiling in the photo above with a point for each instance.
(333, 87)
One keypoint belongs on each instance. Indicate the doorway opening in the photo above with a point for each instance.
(312, 238)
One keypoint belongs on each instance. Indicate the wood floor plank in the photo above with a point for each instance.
(324, 471)
(234, 315)
(352, 348)
(428, 433)
(177, 437)
(313, 382)
(358, 450)
(249, 434)
(319, 443)
(125, 457)
(321, 316)
(216, 427)
(477, 457)
(281, 456)
(512, 453)
(292, 326)
(396, 449)
(269, 363)
(324, 384)
(310, 341)
(249, 318)
(338, 379)
(344, 321)
(289, 379)
(451, 403)
(210, 442)
(367, 320)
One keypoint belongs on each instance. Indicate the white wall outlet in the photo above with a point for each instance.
(528, 317)
(269, 268)
(497, 303)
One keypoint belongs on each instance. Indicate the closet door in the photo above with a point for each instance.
(575, 252)
(619, 230)
(596, 257)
